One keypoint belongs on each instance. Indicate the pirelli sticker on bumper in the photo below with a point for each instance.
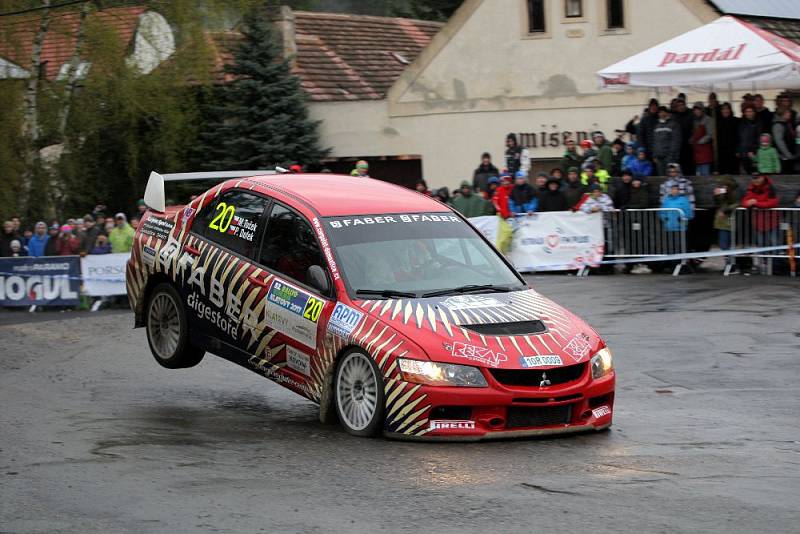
(293, 312)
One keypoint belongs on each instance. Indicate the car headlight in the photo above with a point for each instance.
(602, 363)
(441, 374)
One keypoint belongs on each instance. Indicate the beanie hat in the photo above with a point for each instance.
(493, 180)
(594, 186)
(572, 169)
(466, 184)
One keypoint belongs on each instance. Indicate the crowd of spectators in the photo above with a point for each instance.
(675, 141)
(94, 233)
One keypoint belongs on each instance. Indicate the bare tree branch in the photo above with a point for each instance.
(73, 73)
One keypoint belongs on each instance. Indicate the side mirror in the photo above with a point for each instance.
(318, 278)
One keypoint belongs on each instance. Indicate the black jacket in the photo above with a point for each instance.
(552, 201)
(749, 133)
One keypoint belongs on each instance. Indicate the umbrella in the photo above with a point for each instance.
(727, 53)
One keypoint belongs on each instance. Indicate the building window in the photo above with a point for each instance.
(616, 14)
(573, 9)
(536, 16)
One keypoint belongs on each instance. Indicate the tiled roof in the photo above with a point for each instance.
(786, 28)
(18, 33)
(356, 57)
(344, 57)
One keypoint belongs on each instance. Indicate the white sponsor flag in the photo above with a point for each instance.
(557, 241)
(104, 274)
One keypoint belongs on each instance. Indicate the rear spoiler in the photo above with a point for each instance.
(155, 197)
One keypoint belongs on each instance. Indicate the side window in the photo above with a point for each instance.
(289, 246)
(232, 221)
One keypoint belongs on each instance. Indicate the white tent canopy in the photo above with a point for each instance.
(728, 53)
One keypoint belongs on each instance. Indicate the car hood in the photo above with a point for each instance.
(497, 330)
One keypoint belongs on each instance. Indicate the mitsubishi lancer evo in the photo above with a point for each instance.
(383, 306)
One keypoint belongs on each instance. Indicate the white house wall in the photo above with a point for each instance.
(477, 82)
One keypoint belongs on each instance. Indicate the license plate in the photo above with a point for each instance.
(540, 361)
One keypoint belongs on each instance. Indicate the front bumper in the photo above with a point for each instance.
(502, 411)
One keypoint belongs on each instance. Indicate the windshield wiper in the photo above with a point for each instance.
(467, 289)
(386, 293)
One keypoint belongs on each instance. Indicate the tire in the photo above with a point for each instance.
(359, 394)
(168, 329)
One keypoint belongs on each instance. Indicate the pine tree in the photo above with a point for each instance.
(260, 118)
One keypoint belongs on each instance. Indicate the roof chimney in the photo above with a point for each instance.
(284, 26)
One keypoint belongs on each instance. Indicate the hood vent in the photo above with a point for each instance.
(521, 328)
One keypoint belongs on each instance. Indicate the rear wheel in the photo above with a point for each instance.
(168, 330)
(359, 394)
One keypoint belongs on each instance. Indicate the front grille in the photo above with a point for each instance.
(533, 377)
(518, 417)
(519, 328)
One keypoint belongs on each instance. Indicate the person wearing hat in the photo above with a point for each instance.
(470, 205)
(16, 249)
(485, 171)
(701, 140)
(540, 184)
(502, 195)
(571, 158)
(553, 199)
(361, 170)
(68, 243)
(89, 234)
(595, 201)
(726, 200)
(666, 141)
(491, 187)
(572, 188)
(442, 195)
(37, 244)
(522, 199)
(630, 156)
(422, 188)
(8, 235)
(767, 159)
(594, 175)
(676, 178)
(51, 248)
(121, 237)
(604, 152)
(641, 166)
(644, 130)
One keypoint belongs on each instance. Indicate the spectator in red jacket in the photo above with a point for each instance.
(760, 199)
(501, 195)
(68, 243)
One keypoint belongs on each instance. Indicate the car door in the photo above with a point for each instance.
(221, 283)
(294, 312)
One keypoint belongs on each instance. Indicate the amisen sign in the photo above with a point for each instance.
(729, 54)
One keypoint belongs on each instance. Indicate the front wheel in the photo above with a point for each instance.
(168, 330)
(359, 394)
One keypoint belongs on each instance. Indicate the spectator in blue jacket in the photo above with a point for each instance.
(630, 155)
(641, 167)
(38, 241)
(673, 221)
(523, 196)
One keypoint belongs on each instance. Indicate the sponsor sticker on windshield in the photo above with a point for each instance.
(540, 361)
(409, 218)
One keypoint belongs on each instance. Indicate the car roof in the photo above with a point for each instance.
(333, 195)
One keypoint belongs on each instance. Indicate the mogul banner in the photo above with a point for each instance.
(104, 274)
(53, 281)
(557, 241)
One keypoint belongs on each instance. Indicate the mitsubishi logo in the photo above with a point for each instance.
(545, 381)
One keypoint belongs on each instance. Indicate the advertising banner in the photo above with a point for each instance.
(557, 241)
(487, 225)
(104, 274)
(53, 281)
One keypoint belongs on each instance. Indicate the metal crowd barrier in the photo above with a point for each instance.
(753, 227)
(645, 232)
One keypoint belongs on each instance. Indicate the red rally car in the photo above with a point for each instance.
(385, 307)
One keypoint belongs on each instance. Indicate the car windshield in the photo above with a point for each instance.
(400, 255)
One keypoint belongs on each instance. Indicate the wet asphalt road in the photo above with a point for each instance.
(96, 437)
